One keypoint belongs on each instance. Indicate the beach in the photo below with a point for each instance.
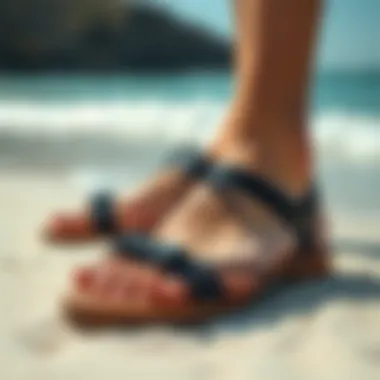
(93, 97)
(326, 329)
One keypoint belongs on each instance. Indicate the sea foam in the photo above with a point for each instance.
(339, 134)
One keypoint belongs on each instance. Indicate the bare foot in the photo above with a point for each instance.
(241, 236)
(139, 211)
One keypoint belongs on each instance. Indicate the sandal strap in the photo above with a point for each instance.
(202, 279)
(191, 162)
(298, 213)
(102, 212)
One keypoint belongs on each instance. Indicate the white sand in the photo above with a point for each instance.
(324, 330)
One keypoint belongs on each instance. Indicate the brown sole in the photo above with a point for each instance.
(85, 312)
(86, 316)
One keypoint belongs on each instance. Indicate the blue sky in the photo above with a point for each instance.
(350, 37)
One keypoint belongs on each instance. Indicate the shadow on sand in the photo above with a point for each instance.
(300, 300)
(306, 298)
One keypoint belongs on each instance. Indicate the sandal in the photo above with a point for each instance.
(207, 292)
(102, 217)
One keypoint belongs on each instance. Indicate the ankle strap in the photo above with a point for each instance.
(299, 213)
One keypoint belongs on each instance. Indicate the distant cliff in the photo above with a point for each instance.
(95, 35)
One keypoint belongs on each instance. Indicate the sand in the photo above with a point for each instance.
(327, 329)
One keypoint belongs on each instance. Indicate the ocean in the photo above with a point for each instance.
(345, 109)
(46, 119)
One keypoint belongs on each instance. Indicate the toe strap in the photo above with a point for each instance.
(203, 280)
(102, 212)
(191, 162)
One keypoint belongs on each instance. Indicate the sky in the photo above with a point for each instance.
(350, 36)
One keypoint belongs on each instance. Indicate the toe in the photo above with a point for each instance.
(68, 226)
(97, 280)
(84, 278)
(239, 285)
(171, 291)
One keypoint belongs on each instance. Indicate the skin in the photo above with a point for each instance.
(265, 132)
(139, 211)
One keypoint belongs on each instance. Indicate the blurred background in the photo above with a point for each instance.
(92, 92)
(79, 76)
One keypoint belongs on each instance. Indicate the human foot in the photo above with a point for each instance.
(236, 233)
(140, 211)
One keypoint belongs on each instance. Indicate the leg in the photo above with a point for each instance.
(265, 133)
(267, 121)
(266, 126)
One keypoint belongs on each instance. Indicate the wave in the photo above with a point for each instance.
(339, 134)
(348, 136)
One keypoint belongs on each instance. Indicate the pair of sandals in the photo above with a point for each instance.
(208, 295)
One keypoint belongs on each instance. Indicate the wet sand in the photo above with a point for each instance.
(327, 329)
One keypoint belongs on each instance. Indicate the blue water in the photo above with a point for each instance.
(358, 93)
(49, 116)
(345, 109)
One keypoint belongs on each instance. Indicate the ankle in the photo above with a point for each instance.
(281, 154)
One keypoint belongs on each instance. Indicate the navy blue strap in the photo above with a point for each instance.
(204, 282)
(191, 162)
(298, 213)
(102, 209)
